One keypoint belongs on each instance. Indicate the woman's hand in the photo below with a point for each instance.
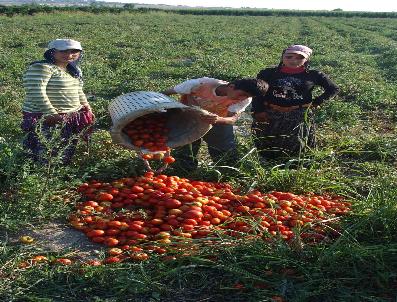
(53, 119)
(89, 109)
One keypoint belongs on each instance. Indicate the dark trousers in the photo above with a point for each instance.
(40, 137)
(221, 147)
(285, 134)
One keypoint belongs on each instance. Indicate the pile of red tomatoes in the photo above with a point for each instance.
(147, 214)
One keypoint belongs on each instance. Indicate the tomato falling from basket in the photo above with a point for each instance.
(149, 132)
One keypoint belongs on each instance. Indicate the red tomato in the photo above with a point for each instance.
(111, 241)
(99, 239)
(190, 221)
(115, 251)
(136, 249)
(139, 256)
(137, 189)
(112, 259)
(193, 214)
(94, 262)
(160, 250)
(83, 187)
(112, 232)
(39, 258)
(63, 261)
(95, 233)
(215, 221)
(168, 159)
(114, 224)
(147, 156)
(105, 196)
(175, 212)
(91, 203)
(173, 222)
(135, 227)
(139, 236)
(188, 227)
(172, 203)
(166, 227)
(156, 221)
(242, 209)
(154, 231)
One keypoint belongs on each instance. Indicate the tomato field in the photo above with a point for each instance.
(318, 227)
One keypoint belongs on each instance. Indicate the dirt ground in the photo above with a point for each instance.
(56, 237)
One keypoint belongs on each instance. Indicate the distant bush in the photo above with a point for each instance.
(31, 9)
(271, 12)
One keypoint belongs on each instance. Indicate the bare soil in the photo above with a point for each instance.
(57, 237)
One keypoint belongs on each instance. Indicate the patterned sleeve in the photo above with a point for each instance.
(258, 102)
(265, 74)
(330, 88)
(35, 81)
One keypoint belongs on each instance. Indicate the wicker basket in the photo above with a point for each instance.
(184, 122)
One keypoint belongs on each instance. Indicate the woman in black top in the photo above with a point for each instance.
(282, 122)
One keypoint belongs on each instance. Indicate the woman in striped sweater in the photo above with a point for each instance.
(55, 100)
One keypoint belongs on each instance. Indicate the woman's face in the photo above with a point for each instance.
(66, 56)
(293, 60)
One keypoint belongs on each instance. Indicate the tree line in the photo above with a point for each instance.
(31, 9)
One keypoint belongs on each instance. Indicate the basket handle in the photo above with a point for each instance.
(149, 168)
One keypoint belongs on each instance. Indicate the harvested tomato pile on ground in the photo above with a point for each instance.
(149, 132)
(134, 216)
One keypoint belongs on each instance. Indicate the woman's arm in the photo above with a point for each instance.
(266, 74)
(258, 103)
(35, 82)
(83, 97)
(330, 89)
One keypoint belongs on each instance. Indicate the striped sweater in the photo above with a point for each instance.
(50, 90)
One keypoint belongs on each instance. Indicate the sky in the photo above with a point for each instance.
(346, 5)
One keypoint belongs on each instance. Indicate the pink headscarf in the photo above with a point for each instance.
(299, 49)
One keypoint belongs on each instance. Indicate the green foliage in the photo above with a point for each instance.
(339, 115)
(154, 50)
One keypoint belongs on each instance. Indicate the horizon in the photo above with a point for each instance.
(352, 5)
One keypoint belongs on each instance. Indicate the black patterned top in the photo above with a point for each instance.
(293, 89)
